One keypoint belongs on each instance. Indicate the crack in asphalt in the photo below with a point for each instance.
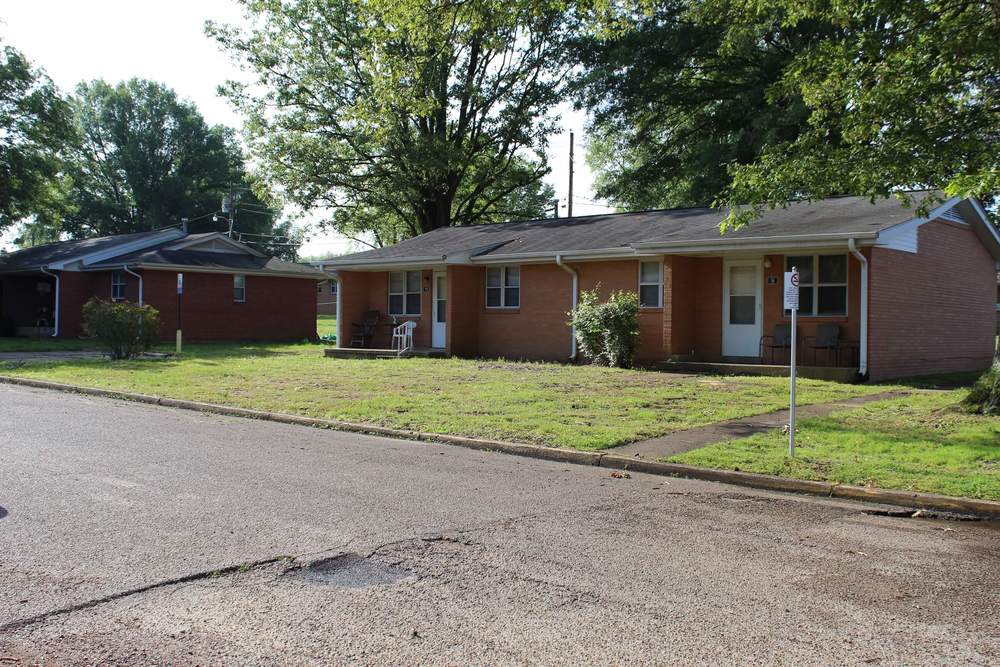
(113, 597)
(438, 536)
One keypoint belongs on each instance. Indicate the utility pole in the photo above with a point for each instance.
(555, 208)
(569, 199)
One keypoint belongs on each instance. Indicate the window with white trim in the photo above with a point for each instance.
(239, 288)
(650, 284)
(503, 287)
(822, 284)
(404, 293)
(117, 285)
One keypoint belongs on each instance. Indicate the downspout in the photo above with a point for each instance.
(571, 271)
(133, 273)
(340, 317)
(55, 328)
(863, 345)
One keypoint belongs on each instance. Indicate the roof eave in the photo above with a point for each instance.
(184, 268)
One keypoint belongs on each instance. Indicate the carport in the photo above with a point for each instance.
(27, 304)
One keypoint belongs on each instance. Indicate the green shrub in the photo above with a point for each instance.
(124, 329)
(607, 333)
(984, 397)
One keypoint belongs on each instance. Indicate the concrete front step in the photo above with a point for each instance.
(374, 353)
(836, 374)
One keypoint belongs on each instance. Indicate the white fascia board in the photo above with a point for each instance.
(903, 236)
(179, 268)
(382, 264)
(984, 219)
(755, 242)
(576, 255)
(123, 249)
(773, 244)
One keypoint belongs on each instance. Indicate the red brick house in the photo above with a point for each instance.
(905, 295)
(230, 290)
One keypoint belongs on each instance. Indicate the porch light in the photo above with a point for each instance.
(767, 262)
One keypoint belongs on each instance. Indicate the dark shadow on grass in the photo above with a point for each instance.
(940, 381)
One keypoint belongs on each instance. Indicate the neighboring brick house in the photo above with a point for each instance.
(908, 295)
(326, 297)
(230, 290)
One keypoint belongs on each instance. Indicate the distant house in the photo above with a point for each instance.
(230, 290)
(892, 294)
(326, 295)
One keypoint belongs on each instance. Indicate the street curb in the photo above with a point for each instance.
(929, 501)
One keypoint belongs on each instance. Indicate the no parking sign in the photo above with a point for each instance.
(792, 289)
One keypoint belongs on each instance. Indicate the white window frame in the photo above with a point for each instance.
(405, 293)
(118, 281)
(816, 284)
(503, 287)
(658, 284)
(242, 279)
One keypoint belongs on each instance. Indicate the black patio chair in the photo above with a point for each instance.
(780, 340)
(827, 338)
(363, 334)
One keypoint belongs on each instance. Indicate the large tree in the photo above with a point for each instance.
(34, 126)
(756, 102)
(903, 94)
(145, 159)
(671, 108)
(401, 115)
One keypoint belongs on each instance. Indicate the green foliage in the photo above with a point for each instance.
(752, 103)
(672, 107)
(984, 397)
(607, 333)
(402, 116)
(34, 126)
(124, 329)
(146, 159)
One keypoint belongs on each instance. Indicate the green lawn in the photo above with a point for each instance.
(923, 442)
(44, 344)
(582, 407)
(326, 326)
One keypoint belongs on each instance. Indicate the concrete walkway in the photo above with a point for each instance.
(684, 441)
(52, 355)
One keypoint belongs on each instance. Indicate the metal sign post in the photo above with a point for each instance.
(792, 304)
(180, 290)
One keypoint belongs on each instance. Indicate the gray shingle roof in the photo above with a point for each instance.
(220, 261)
(838, 215)
(151, 255)
(50, 253)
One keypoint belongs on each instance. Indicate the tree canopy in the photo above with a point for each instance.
(403, 116)
(756, 102)
(34, 126)
(144, 159)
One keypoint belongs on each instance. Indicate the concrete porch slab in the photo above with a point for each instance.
(832, 373)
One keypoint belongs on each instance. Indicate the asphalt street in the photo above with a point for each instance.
(132, 534)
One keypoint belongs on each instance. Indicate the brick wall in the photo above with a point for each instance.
(934, 311)
(275, 308)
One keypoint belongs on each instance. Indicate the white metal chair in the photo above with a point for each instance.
(402, 337)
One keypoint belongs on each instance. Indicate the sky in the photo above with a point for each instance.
(165, 41)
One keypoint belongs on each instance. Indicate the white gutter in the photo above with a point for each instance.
(55, 328)
(571, 271)
(863, 346)
(748, 240)
(133, 273)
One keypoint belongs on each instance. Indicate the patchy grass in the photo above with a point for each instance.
(46, 344)
(326, 326)
(583, 407)
(924, 442)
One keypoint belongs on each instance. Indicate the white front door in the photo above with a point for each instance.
(742, 310)
(440, 300)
